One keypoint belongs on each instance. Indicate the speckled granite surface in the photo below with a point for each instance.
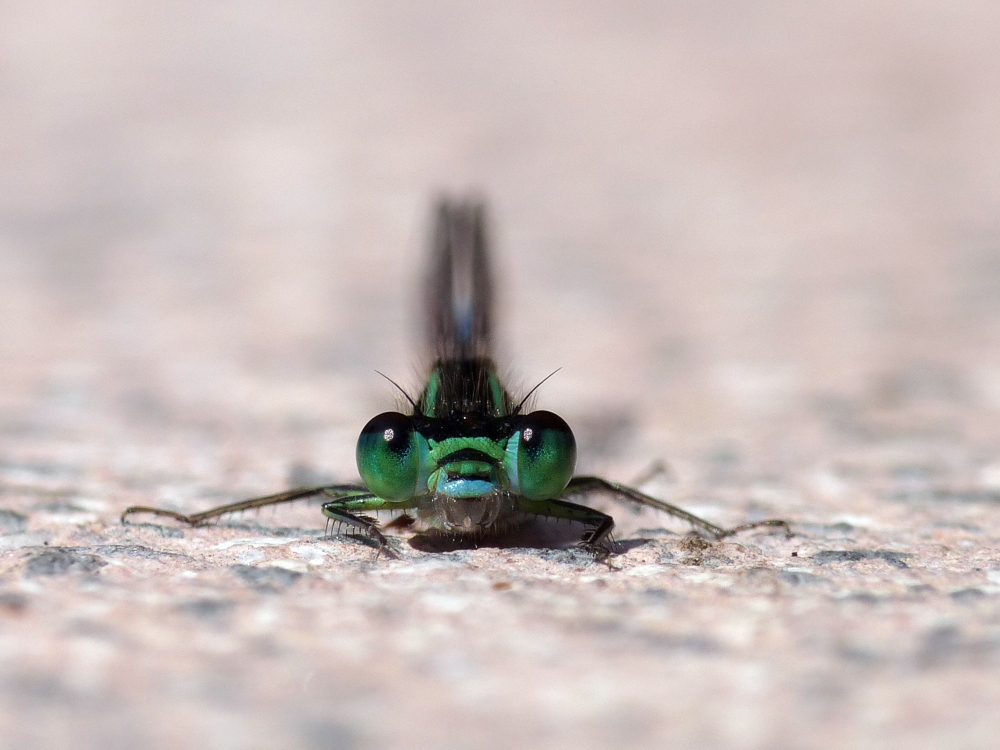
(874, 626)
(760, 240)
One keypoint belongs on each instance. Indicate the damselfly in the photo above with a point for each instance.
(469, 462)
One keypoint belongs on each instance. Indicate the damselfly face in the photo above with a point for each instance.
(467, 443)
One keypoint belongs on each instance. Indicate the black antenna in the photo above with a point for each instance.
(416, 409)
(517, 410)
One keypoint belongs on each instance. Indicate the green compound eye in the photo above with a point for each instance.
(545, 455)
(389, 456)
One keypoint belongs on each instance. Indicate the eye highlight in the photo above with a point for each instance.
(542, 455)
(389, 456)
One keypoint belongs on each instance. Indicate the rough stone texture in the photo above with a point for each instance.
(760, 240)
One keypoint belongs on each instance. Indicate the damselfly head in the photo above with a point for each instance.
(400, 457)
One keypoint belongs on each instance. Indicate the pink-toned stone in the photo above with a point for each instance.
(761, 242)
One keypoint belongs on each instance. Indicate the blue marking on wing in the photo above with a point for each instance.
(464, 321)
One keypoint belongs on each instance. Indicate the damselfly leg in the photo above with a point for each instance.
(347, 501)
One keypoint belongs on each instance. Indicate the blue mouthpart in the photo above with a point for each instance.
(467, 488)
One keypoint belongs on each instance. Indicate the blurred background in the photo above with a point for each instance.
(760, 238)
(706, 213)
